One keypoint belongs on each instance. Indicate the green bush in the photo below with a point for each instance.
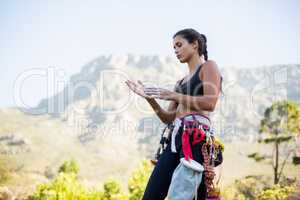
(137, 183)
(69, 166)
(245, 189)
(277, 192)
(257, 188)
(66, 186)
(112, 191)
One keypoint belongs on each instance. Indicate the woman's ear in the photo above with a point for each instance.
(195, 45)
(202, 57)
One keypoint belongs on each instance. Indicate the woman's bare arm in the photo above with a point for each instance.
(166, 116)
(211, 87)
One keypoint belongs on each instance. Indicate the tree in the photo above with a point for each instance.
(281, 123)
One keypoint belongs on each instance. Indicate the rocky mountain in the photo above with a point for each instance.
(97, 95)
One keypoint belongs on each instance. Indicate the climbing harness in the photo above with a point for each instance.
(197, 135)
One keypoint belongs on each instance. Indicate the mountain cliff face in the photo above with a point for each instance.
(97, 96)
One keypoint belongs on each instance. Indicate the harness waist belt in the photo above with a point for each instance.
(178, 122)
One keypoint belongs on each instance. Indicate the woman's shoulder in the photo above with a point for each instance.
(210, 67)
(210, 63)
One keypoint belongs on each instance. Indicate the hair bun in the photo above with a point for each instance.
(204, 37)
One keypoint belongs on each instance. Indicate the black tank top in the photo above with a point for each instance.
(193, 87)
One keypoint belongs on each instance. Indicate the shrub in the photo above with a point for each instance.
(137, 183)
(66, 186)
(69, 166)
(276, 192)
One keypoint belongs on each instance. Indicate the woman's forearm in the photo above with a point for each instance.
(207, 102)
(165, 116)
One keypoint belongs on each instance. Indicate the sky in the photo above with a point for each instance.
(66, 34)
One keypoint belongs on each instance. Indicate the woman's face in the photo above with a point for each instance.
(183, 49)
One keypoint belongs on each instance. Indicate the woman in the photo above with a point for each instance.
(196, 94)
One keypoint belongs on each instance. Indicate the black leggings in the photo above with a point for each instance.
(160, 179)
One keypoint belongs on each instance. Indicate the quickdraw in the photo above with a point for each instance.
(164, 140)
(208, 164)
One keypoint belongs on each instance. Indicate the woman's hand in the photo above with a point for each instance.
(138, 88)
(161, 93)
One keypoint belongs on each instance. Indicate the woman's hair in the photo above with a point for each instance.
(192, 35)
